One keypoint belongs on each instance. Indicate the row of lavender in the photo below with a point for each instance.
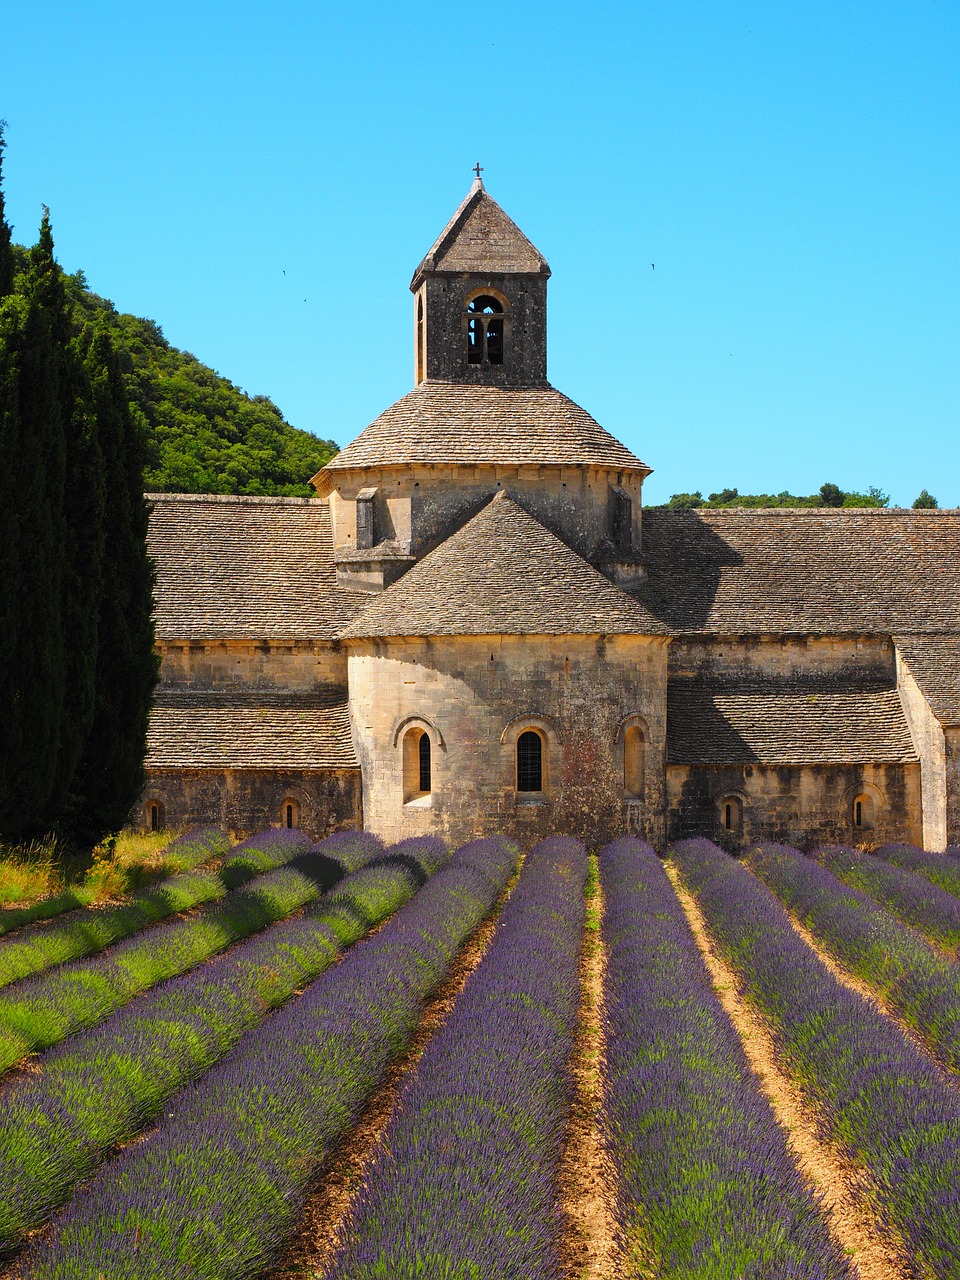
(479, 1127)
(85, 932)
(40, 1011)
(881, 1099)
(214, 1188)
(916, 982)
(101, 1087)
(706, 1182)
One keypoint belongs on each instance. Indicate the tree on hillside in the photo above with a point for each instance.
(110, 775)
(81, 519)
(71, 556)
(33, 662)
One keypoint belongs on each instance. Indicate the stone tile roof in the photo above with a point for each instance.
(481, 239)
(503, 573)
(448, 422)
(193, 728)
(235, 567)
(803, 571)
(714, 723)
(934, 662)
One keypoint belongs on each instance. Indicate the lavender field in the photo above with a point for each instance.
(346, 1061)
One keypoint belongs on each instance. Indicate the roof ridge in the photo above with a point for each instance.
(249, 499)
(842, 512)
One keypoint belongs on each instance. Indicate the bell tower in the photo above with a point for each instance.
(480, 301)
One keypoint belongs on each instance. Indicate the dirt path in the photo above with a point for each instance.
(311, 1250)
(586, 1177)
(852, 1220)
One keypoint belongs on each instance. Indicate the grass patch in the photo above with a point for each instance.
(39, 881)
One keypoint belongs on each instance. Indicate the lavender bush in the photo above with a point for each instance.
(874, 1093)
(96, 928)
(705, 1178)
(263, 852)
(477, 1134)
(942, 871)
(43, 1010)
(101, 1087)
(910, 897)
(197, 845)
(214, 1188)
(918, 984)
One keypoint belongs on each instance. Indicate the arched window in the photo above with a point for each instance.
(633, 762)
(484, 330)
(530, 761)
(731, 814)
(154, 815)
(417, 772)
(420, 370)
(863, 813)
(290, 814)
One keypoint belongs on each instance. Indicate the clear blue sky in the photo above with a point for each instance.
(792, 171)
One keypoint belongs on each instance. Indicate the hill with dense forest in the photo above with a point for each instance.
(203, 434)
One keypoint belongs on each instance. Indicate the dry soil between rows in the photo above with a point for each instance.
(586, 1182)
(851, 1218)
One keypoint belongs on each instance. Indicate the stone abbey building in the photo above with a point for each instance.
(474, 627)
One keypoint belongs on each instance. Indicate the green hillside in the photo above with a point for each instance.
(204, 435)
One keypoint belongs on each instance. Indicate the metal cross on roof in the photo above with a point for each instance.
(477, 169)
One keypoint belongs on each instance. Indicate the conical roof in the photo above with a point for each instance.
(452, 423)
(503, 573)
(481, 239)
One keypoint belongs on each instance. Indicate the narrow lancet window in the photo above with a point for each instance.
(530, 761)
(731, 814)
(863, 813)
(424, 754)
(633, 762)
(417, 765)
(621, 518)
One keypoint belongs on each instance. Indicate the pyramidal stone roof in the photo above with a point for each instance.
(447, 422)
(481, 238)
(502, 573)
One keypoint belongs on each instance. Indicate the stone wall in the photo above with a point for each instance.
(444, 299)
(928, 738)
(300, 664)
(952, 738)
(418, 507)
(473, 696)
(803, 806)
(834, 660)
(245, 801)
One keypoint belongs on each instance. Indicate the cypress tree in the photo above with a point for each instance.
(110, 776)
(12, 324)
(34, 467)
(6, 249)
(77, 668)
